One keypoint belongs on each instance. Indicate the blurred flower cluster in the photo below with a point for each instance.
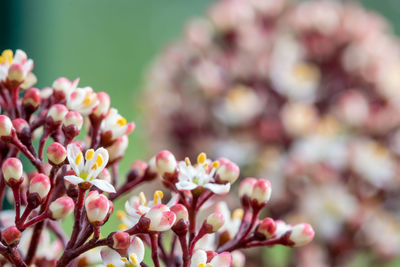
(49, 172)
(304, 93)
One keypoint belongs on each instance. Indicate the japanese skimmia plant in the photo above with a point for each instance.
(74, 177)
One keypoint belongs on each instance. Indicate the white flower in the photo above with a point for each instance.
(202, 174)
(82, 100)
(232, 222)
(88, 169)
(116, 124)
(199, 259)
(7, 59)
(135, 255)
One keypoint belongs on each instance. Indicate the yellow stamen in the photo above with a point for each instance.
(120, 214)
(121, 121)
(201, 158)
(237, 214)
(87, 101)
(122, 226)
(143, 199)
(78, 159)
(215, 164)
(158, 195)
(187, 161)
(133, 258)
(7, 55)
(99, 160)
(94, 166)
(124, 259)
(110, 265)
(306, 72)
(201, 265)
(89, 154)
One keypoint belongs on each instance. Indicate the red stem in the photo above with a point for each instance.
(78, 214)
(154, 249)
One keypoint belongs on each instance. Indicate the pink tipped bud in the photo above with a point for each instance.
(6, 126)
(56, 153)
(97, 207)
(246, 187)
(216, 221)
(61, 208)
(11, 235)
(20, 125)
(161, 218)
(105, 175)
(118, 148)
(210, 255)
(139, 167)
(57, 112)
(261, 191)
(103, 106)
(130, 127)
(165, 162)
(267, 228)
(32, 98)
(227, 171)
(180, 212)
(12, 171)
(301, 234)
(121, 240)
(40, 186)
(16, 73)
(73, 118)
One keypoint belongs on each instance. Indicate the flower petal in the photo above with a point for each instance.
(73, 151)
(185, 185)
(222, 260)
(200, 256)
(137, 247)
(103, 185)
(74, 179)
(219, 189)
(111, 256)
(174, 200)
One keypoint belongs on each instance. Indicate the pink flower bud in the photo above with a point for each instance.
(16, 73)
(105, 175)
(11, 235)
(118, 148)
(246, 187)
(180, 212)
(6, 126)
(56, 153)
(121, 240)
(97, 207)
(12, 171)
(73, 118)
(139, 167)
(267, 228)
(301, 234)
(104, 104)
(32, 97)
(20, 125)
(161, 218)
(216, 221)
(57, 112)
(238, 259)
(261, 191)
(165, 162)
(40, 186)
(227, 171)
(61, 208)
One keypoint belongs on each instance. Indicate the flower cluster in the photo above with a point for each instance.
(71, 177)
(302, 92)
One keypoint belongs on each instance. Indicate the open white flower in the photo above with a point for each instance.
(202, 174)
(7, 59)
(115, 124)
(135, 255)
(82, 100)
(87, 169)
(199, 259)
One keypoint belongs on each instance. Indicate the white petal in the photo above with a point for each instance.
(222, 260)
(174, 200)
(219, 189)
(185, 185)
(103, 185)
(137, 247)
(111, 256)
(74, 179)
(72, 152)
(200, 256)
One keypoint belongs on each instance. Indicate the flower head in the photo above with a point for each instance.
(89, 167)
(135, 255)
(83, 100)
(115, 126)
(17, 68)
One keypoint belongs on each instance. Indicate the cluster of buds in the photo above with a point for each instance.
(73, 179)
(302, 92)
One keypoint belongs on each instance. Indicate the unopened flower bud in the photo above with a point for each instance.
(227, 171)
(105, 175)
(62, 84)
(11, 235)
(56, 153)
(180, 212)
(238, 259)
(261, 191)
(301, 234)
(103, 106)
(97, 207)
(16, 73)
(165, 162)
(39, 186)
(61, 208)
(121, 240)
(118, 148)
(267, 228)
(216, 221)
(21, 125)
(32, 98)
(246, 187)
(6, 126)
(73, 118)
(12, 171)
(161, 218)
(57, 112)
(139, 167)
